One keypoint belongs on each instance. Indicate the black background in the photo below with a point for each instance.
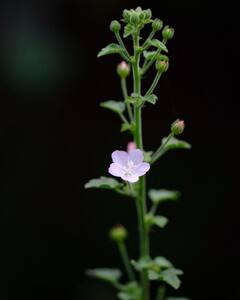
(54, 137)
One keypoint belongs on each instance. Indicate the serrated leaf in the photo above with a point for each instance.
(110, 49)
(160, 221)
(170, 276)
(149, 55)
(102, 183)
(159, 196)
(110, 275)
(151, 98)
(162, 262)
(174, 143)
(115, 106)
(128, 30)
(158, 44)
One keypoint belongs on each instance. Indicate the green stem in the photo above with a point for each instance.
(125, 96)
(146, 45)
(126, 55)
(161, 150)
(126, 262)
(123, 118)
(153, 209)
(154, 84)
(141, 197)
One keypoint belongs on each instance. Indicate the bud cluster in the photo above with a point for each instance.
(137, 17)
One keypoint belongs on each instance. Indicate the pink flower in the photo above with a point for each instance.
(131, 146)
(128, 166)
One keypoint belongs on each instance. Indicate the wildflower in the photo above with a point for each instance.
(128, 166)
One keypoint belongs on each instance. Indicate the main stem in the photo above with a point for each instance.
(141, 197)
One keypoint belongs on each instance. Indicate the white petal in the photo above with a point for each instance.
(142, 169)
(136, 156)
(115, 170)
(120, 157)
(130, 178)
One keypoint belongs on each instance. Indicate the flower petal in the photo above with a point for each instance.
(142, 169)
(130, 178)
(115, 170)
(120, 157)
(136, 156)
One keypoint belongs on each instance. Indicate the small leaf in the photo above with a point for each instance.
(142, 263)
(158, 44)
(147, 156)
(125, 127)
(102, 183)
(115, 106)
(159, 196)
(153, 275)
(151, 98)
(149, 55)
(128, 30)
(159, 221)
(174, 143)
(110, 49)
(110, 275)
(162, 262)
(170, 276)
(130, 291)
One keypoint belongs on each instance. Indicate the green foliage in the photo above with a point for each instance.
(110, 49)
(158, 44)
(159, 221)
(115, 106)
(150, 98)
(177, 298)
(169, 276)
(159, 196)
(150, 55)
(109, 275)
(102, 183)
(130, 291)
(148, 156)
(174, 143)
(128, 30)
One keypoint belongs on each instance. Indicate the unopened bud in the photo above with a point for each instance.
(123, 69)
(178, 127)
(134, 18)
(162, 64)
(131, 146)
(118, 233)
(148, 13)
(115, 26)
(168, 32)
(126, 16)
(157, 25)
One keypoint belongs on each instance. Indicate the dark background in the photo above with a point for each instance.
(54, 137)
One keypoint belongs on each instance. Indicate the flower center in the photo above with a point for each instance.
(129, 168)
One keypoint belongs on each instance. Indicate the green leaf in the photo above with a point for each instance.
(110, 49)
(174, 143)
(142, 263)
(159, 221)
(128, 30)
(109, 275)
(125, 127)
(115, 106)
(130, 291)
(159, 196)
(162, 262)
(149, 55)
(153, 275)
(147, 156)
(170, 276)
(151, 98)
(158, 44)
(102, 183)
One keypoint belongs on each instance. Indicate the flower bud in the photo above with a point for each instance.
(123, 69)
(126, 16)
(118, 234)
(178, 127)
(168, 32)
(134, 18)
(162, 64)
(148, 13)
(131, 146)
(157, 25)
(115, 26)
